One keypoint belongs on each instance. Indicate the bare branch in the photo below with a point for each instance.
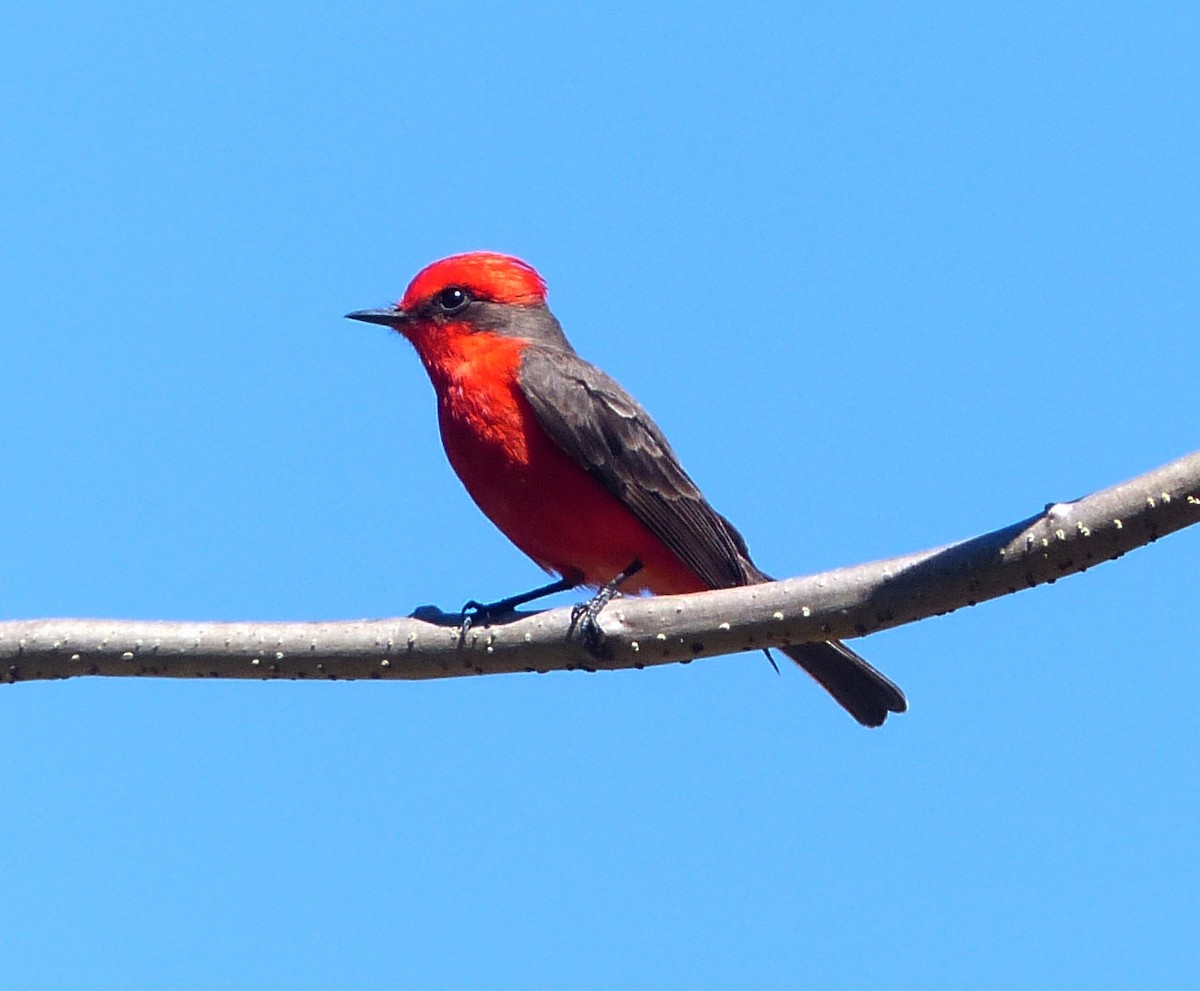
(1064, 539)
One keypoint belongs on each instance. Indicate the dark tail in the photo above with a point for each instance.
(865, 693)
(858, 688)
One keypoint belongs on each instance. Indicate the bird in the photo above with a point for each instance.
(570, 467)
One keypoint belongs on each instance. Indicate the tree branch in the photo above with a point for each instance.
(1064, 539)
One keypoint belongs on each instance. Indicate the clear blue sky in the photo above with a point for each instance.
(888, 276)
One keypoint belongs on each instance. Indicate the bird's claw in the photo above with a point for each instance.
(583, 620)
(585, 617)
(476, 613)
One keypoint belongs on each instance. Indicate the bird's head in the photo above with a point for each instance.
(479, 292)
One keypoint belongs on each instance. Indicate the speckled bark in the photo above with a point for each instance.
(1064, 539)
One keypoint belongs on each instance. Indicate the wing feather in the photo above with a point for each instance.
(613, 438)
(607, 433)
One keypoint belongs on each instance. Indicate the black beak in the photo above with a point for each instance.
(390, 316)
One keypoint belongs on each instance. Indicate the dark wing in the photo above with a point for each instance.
(605, 430)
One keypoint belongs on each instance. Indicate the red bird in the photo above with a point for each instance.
(569, 466)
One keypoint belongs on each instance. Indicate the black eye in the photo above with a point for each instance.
(451, 299)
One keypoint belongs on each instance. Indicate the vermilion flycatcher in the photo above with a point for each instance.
(569, 466)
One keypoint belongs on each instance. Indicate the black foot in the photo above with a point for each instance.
(474, 613)
(585, 616)
(482, 613)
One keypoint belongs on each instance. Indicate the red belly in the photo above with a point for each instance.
(545, 503)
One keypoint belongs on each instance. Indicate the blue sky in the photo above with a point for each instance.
(888, 275)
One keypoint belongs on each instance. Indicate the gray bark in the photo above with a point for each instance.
(1063, 539)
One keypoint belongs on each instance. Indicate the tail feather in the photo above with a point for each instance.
(857, 687)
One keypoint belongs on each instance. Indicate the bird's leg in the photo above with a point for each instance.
(474, 612)
(585, 614)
